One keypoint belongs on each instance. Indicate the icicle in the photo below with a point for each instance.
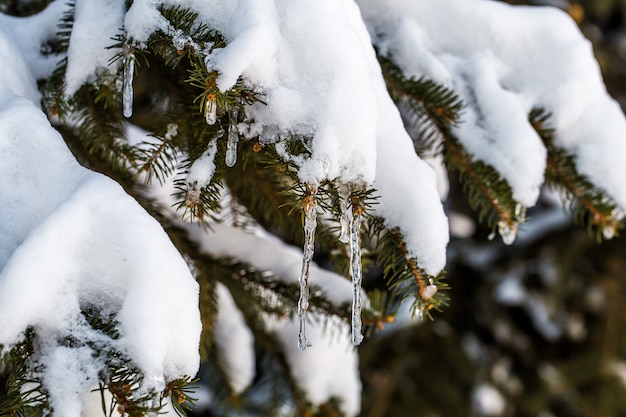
(491, 236)
(231, 146)
(356, 272)
(127, 92)
(520, 213)
(346, 214)
(309, 208)
(210, 109)
(508, 233)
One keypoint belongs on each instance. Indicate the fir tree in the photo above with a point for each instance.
(237, 131)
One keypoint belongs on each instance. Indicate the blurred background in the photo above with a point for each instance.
(537, 328)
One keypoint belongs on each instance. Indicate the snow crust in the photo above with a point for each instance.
(72, 238)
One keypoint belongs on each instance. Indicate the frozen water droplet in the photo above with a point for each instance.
(346, 214)
(193, 196)
(429, 291)
(127, 90)
(507, 233)
(419, 311)
(210, 110)
(231, 146)
(356, 272)
(608, 232)
(309, 208)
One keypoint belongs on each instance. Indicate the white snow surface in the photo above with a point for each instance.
(328, 369)
(71, 238)
(95, 24)
(504, 60)
(235, 341)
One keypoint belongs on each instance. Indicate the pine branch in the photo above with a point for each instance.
(487, 192)
(24, 394)
(591, 205)
(270, 191)
(54, 102)
(402, 273)
(439, 108)
(427, 105)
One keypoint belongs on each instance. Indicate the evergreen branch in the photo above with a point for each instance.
(53, 99)
(590, 204)
(198, 203)
(431, 105)
(254, 291)
(25, 395)
(180, 392)
(157, 159)
(439, 108)
(486, 190)
(402, 273)
(186, 21)
(269, 190)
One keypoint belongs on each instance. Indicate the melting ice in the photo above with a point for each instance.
(309, 207)
(127, 92)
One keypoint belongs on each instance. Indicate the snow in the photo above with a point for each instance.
(494, 63)
(31, 34)
(95, 24)
(202, 170)
(234, 341)
(76, 239)
(329, 369)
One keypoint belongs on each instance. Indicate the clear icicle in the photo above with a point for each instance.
(309, 208)
(231, 146)
(127, 91)
(520, 213)
(210, 109)
(346, 214)
(356, 272)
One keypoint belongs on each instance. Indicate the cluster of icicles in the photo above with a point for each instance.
(350, 219)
